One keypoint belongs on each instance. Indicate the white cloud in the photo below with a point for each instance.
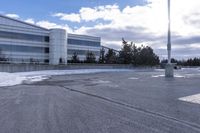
(50, 25)
(15, 16)
(144, 24)
(43, 23)
(69, 17)
(47, 24)
(30, 20)
(107, 13)
(152, 16)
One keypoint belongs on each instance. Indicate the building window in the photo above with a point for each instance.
(81, 52)
(46, 50)
(46, 39)
(28, 49)
(22, 36)
(46, 61)
(83, 42)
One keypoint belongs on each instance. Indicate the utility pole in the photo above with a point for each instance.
(169, 68)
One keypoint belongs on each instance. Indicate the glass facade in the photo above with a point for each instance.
(81, 52)
(29, 60)
(16, 48)
(83, 42)
(37, 58)
(22, 36)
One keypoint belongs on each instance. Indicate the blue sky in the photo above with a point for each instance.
(141, 21)
(41, 9)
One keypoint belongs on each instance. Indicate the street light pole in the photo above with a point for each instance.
(169, 68)
(169, 34)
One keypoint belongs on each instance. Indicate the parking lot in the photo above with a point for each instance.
(135, 101)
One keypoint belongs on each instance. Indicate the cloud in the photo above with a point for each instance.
(142, 24)
(68, 17)
(42, 23)
(15, 16)
(106, 13)
(146, 24)
(50, 25)
(186, 40)
(192, 19)
(30, 20)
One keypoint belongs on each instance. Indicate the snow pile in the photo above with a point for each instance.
(10, 79)
(176, 76)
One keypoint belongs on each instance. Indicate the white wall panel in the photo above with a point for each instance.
(58, 46)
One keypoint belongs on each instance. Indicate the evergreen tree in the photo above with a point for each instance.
(1, 55)
(125, 55)
(75, 58)
(130, 54)
(189, 62)
(147, 57)
(111, 57)
(90, 57)
(102, 56)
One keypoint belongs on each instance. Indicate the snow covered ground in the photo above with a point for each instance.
(10, 79)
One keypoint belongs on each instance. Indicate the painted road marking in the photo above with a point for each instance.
(192, 99)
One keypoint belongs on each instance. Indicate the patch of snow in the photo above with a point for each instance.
(192, 99)
(160, 70)
(133, 78)
(179, 76)
(101, 82)
(194, 69)
(11, 79)
(192, 75)
(156, 76)
(36, 78)
(176, 76)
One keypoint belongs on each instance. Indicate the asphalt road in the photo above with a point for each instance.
(116, 102)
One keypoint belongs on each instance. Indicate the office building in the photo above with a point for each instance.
(21, 42)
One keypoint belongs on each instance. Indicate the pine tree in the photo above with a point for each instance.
(90, 57)
(102, 56)
(111, 57)
(130, 54)
(75, 58)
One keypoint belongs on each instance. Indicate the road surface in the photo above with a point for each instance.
(139, 101)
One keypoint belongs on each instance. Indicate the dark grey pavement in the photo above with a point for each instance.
(115, 102)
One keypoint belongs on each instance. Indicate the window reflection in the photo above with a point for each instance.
(15, 48)
(81, 52)
(83, 42)
(22, 36)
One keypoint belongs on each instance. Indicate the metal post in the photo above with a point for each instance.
(169, 68)
(169, 34)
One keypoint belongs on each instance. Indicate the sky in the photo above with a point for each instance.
(143, 22)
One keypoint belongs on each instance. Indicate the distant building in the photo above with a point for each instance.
(21, 42)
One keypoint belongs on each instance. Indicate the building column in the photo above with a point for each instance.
(58, 47)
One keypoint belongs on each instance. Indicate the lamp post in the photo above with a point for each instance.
(169, 35)
(169, 68)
